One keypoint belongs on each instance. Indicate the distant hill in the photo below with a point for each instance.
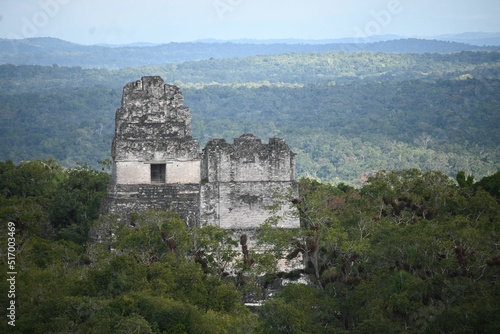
(368, 39)
(50, 51)
(473, 38)
(415, 45)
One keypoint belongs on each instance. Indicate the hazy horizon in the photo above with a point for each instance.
(156, 21)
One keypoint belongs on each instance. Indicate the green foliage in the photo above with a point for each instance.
(77, 201)
(491, 184)
(409, 251)
(353, 130)
(300, 309)
(215, 249)
(409, 195)
(125, 291)
(45, 200)
(464, 181)
(157, 235)
(345, 114)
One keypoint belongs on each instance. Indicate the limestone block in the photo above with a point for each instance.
(183, 171)
(132, 172)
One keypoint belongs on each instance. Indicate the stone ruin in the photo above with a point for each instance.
(158, 165)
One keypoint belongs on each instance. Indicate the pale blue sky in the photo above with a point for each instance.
(161, 21)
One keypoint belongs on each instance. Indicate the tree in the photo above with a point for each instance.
(408, 251)
(491, 184)
(215, 249)
(464, 181)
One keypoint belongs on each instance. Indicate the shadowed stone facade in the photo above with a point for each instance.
(240, 180)
(158, 165)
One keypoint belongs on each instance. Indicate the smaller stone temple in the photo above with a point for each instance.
(158, 165)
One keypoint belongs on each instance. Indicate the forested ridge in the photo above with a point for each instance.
(397, 157)
(344, 114)
(296, 69)
(410, 251)
(48, 51)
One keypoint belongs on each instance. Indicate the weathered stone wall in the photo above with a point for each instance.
(153, 126)
(240, 181)
(152, 109)
(155, 149)
(244, 205)
(228, 185)
(139, 172)
(183, 171)
(124, 200)
(248, 159)
(131, 172)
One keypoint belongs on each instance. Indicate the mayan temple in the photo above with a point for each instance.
(158, 165)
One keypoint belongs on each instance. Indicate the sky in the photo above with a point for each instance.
(163, 21)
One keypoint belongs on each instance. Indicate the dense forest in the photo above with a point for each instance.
(410, 251)
(398, 162)
(345, 114)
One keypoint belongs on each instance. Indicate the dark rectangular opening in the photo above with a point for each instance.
(158, 172)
